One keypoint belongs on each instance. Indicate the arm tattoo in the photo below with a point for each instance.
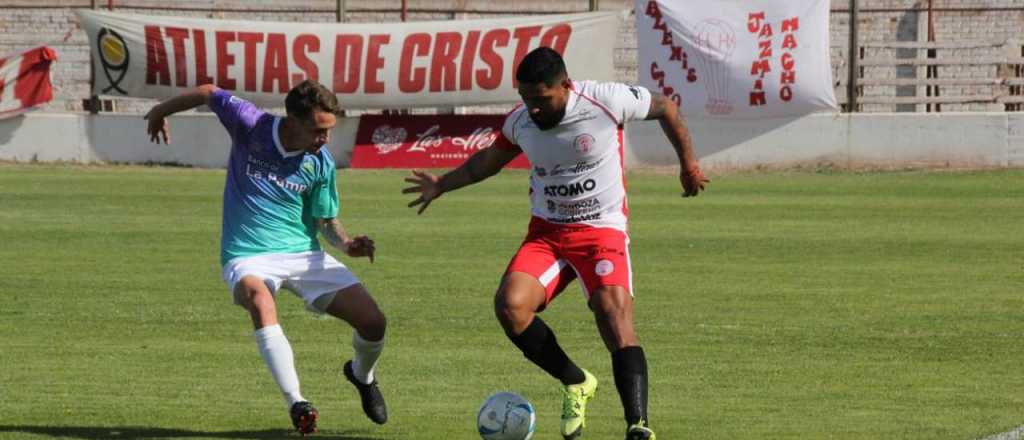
(332, 231)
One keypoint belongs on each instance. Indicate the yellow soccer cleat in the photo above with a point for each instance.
(574, 405)
(639, 431)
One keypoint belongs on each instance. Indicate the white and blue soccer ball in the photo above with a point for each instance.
(506, 416)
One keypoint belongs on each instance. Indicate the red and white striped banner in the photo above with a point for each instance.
(25, 80)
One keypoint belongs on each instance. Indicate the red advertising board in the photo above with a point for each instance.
(425, 141)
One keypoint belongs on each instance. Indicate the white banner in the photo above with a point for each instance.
(381, 65)
(737, 58)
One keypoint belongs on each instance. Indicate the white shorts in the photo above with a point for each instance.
(310, 275)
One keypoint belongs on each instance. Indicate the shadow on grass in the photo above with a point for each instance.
(142, 432)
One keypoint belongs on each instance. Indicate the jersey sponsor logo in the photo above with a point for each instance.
(387, 139)
(579, 168)
(255, 170)
(583, 143)
(571, 189)
(582, 207)
(575, 219)
(604, 268)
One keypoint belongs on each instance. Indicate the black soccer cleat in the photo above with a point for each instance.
(373, 401)
(304, 417)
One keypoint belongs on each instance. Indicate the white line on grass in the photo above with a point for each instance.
(1015, 434)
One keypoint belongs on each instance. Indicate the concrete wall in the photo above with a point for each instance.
(840, 140)
(196, 139)
(25, 23)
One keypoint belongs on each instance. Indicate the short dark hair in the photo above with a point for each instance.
(541, 65)
(310, 95)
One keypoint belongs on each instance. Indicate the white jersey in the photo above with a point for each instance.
(577, 166)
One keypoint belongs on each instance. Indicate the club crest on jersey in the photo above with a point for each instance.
(604, 268)
(308, 166)
(583, 143)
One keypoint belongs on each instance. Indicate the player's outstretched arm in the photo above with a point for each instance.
(158, 127)
(485, 163)
(334, 233)
(667, 114)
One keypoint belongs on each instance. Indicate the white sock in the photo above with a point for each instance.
(366, 355)
(277, 354)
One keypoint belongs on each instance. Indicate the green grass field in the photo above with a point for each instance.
(789, 305)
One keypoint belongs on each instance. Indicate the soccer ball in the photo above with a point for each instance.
(506, 416)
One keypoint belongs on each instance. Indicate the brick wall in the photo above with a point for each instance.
(24, 23)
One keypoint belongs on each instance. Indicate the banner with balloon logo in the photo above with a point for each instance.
(740, 59)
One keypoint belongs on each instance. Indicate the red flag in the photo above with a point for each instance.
(25, 80)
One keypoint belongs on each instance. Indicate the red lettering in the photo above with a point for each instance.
(677, 53)
(374, 62)
(275, 65)
(490, 79)
(412, 80)
(442, 65)
(754, 20)
(666, 38)
(760, 67)
(791, 25)
(788, 77)
(766, 31)
(199, 38)
(789, 42)
(788, 63)
(302, 44)
(557, 37)
(759, 84)
(657, 74)
(157, 70)
(224, 59)
(691, 75)
(178, 36)
(757, 98)
(523, 36)
(766, 49)
(466, 63)
(786, 94)
(653, 10)
(249, 41)
(348, 55)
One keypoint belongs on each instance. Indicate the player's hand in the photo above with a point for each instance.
(427, 185)
(360, 246)
(693, 180)
(158, 127)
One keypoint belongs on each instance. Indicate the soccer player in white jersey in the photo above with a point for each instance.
(279, 194)
(571, 131)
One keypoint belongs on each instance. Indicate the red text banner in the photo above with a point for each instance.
(425, 141)
(738, 59)
(25, 80)
(385, 65)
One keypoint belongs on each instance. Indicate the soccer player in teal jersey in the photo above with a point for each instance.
(280, 193)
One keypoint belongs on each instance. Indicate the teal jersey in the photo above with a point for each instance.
(272, 197)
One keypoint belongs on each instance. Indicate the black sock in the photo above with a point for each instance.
(630, 367)
(539, 345)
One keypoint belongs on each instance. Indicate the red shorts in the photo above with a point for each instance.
(557, 254)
